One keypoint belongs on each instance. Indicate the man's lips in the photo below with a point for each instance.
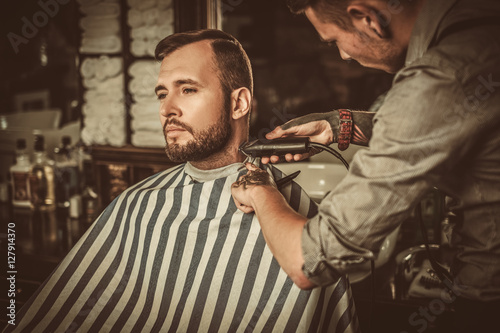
(171, 128)
(173, 131)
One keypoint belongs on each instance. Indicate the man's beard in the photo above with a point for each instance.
(204, 144)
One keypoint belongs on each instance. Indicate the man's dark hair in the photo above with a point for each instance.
(234, 69)
(333, 11)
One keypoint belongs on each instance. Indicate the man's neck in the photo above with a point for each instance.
(227, 156)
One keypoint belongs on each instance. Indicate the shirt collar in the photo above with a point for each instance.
(426, 26)
(199, 175)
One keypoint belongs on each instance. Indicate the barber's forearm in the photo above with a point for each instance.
(282, 229)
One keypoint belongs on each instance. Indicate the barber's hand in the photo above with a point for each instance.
(242, 189)
(316, 126)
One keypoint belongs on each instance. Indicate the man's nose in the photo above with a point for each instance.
(344, 55)
(169, 108)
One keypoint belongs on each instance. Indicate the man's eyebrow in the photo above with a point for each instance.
(178, 83)
(159, 87)
(187, 81)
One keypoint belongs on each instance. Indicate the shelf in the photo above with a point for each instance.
(130, 155)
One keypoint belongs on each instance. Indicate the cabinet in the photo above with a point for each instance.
(116, 169)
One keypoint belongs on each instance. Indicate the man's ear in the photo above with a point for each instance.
(370, 20)
(241, 101)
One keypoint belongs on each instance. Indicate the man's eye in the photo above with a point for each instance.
(188, 90)
(161, 96)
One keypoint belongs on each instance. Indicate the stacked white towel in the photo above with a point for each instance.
(145, 122)
(150, 21)
(101, 26)
(104, 109)
(143, 78)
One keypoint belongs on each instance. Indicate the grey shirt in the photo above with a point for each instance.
(439, 126)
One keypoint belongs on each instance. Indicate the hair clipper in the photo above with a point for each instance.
(279, 147)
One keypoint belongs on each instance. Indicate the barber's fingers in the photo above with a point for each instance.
(244, 208)
(236, 190)
(238, 193)
(275, 133)
(298, 157)
(271, 159)
(276, 159)
(288, 158)
(279, 132)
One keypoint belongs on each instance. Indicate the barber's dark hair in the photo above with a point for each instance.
(234, 67)
(333, 11)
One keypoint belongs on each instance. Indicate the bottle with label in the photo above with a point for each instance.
(41, 178)
(20, 176)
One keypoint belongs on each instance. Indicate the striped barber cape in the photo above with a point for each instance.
(174, 254)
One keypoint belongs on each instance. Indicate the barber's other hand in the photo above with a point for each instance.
(316, 126)
(242, 190)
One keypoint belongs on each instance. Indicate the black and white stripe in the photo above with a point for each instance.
(175, 255)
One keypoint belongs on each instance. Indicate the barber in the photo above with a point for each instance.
(439, 126)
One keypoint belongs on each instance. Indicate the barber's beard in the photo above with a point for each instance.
(204, 144)
(388, 57)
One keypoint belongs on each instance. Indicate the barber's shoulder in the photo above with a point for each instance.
(457, 57)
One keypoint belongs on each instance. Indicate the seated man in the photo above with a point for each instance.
(173, 253)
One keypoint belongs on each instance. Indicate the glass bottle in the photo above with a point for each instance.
(66, 174)
(90, 201)
(41, 178)
(90, 198)
(68, 195)
(20, 175)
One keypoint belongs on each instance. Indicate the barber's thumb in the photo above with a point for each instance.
(275, 133)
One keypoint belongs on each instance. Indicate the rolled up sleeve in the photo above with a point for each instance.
(421, 132)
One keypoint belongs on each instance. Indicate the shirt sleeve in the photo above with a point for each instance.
(424, 128)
